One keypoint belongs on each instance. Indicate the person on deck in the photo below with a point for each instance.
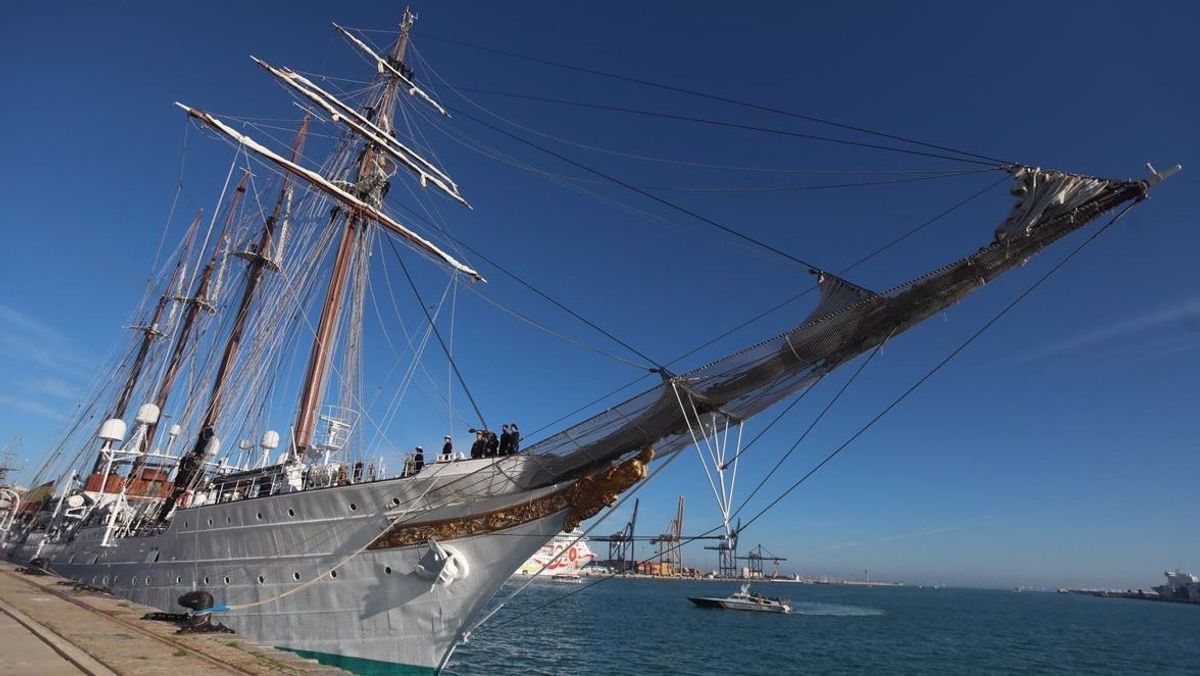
(448, 447)
(505, 441)
(516, 438)
(493, 445)
(478, 447)
(418, 460)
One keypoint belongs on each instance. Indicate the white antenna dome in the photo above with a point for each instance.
(112, 429)
(245, 444)
(147, 414)
(214, 447)
(175, 431)
(270, 440)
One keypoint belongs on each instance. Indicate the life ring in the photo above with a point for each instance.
(572, 554)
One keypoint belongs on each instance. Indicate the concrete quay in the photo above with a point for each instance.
(50, 629)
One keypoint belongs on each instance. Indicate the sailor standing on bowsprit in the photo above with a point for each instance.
(505, 441)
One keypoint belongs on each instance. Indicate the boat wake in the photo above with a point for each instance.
(833, 610)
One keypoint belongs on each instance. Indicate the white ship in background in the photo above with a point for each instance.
(297, 530)
(566, 554)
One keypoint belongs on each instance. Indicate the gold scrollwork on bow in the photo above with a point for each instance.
(584, 499)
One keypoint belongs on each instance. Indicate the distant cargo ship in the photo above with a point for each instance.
(1180, 586)
(576, 557)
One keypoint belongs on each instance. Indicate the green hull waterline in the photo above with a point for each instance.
(362, 666)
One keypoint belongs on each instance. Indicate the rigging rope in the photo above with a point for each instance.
(904, 395)
(437, 334)
(712, 97)
(785, 302)
(644, 193)
(811, 426)
(546, 296)
(855, 436)
(730, 125)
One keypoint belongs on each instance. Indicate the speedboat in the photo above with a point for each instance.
(744, 599)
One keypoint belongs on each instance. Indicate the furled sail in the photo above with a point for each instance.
(847, 322)
(383, 64)
(321, 183)
(340, 112)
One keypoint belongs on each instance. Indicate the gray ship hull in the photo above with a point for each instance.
(304, 558)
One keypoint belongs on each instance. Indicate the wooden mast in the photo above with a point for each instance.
(370, 180)
(150, 331)
(259, 259)
(197, 302)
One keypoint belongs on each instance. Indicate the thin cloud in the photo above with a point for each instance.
(24, 339)
(1184, 315)
(973, 523)
(32, 407)
(54, 387)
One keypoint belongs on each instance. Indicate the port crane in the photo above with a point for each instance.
(754, 561)
(623, 559)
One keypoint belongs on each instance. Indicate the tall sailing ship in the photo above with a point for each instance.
(306, 543)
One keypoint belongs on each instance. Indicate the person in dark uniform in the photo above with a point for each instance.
(493, 445)
(515, 445)
(448, 447)
(418, 461)
(358, 471)
(505, 441)
(477, 448)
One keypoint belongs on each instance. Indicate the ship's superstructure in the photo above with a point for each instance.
(313, 548)
(566, 554)
(1180, 586)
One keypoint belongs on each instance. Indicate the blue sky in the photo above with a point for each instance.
(1054, 451)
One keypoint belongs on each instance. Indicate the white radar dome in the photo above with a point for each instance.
(175, 431)
(112, 429)
(270, 440)
(147, 414)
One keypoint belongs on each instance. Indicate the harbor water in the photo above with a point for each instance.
(623, 627)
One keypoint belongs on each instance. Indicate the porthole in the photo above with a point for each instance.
(226, 579)
(353, 506)
(147, 580)
(115, 578)
(210, 522)
(178, 580)
(296, 576)
(260, 579)
(396, 502)
(205, 579)
(185, 523)
(291, 512)
(333, 573)
(258, 516)
(228, 520)
(387, 570)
